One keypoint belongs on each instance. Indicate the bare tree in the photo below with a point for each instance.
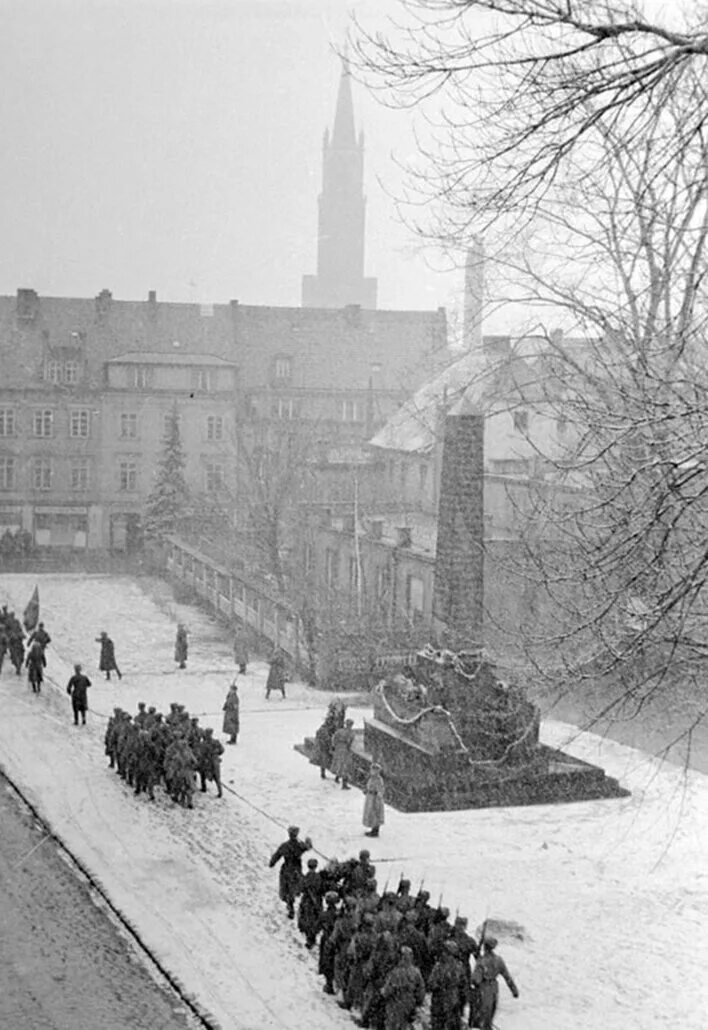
(576, 132)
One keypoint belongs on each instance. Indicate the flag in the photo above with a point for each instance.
(31, 615)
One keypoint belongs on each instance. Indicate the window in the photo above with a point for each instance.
(128, 475)
(202, 379)
(415, 592)
(403, 475)
(383, 581)
(214, 477)
(7, 473)
(43, 423)
(350, 411)
(52, 371)
(128, 425)
(284, 407)
(353, 574)
(308, 559)
(423, 473)
(42, 474)
(331, 567)
(167, 423)
(7, 421)
(140, 377)
(283, 368)
(215, 427)
(79, 422)
(521, 420)
(79, 475)
(71, 371)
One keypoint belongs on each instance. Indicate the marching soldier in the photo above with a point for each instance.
(310, 910)
(210, 751)
(403, 992)
(290, 877)
(448, 990)
(77, 688)
(485, 995)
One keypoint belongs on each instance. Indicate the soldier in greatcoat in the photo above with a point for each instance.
(341, 938)
(361, 948)
(77, 688)
(241, 651)
(35, 664)
(485, 994)
(276, 674)
(328, 921)
(448, 990)
(181, 646)
(342, 743)
(40, 635)
(403, 992)
(146, 765)
(310, 910)
(231, 709)
(16, 641)
(109, 739)
(209, 754)
(374, 816)
(376, 970)
(290, 877)
(107, 658)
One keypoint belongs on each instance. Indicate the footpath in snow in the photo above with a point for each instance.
(613, 895)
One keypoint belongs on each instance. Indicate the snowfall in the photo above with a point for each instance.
(612, 895)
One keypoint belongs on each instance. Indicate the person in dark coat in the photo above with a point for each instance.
(35, 666)
(485, 994)
(16, 641)
(77, 689)
(373, 816)
(361, 948)
(328, 921)
(40, 635)
(403, 992)
(381, 963)
(310, 910)
(107, 660)
(448, 990)
(231, 708)
(209, 752)
(276, 674)
(181, 646)
(322, 755)
(290, 878)
(342, 743)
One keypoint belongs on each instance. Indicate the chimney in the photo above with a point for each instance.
(376, 529)
(103, 304)
(27, 305)
(404, 536)
(152, 303)
(458, 592)
(474, 296)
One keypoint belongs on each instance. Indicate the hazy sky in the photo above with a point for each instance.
(176, 145)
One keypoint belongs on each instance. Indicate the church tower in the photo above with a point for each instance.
(340, 276)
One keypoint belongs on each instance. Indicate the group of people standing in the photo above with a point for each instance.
(385, 953)
(12, 639)
(147, 749)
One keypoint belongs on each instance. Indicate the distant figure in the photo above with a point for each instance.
(232, 723)
(107, 661)
(374, 803)
(35, 664)
(209, 752)
(181, 647)
(486, 989)
(240, 651)
(77, 688)
(16, 640)
(290, 879)
(342, 743)
(310, 911)
(40, 635)
(276, 674)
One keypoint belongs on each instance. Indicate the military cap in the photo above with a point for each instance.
(364, 854)
(293, 831)
(461, 921)
(490, 942)
(331, 896)
(312, 863)
(368, 918)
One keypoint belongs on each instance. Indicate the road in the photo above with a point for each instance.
(63, 964)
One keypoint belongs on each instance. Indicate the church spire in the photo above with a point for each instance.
(344, 133)
(340, 276)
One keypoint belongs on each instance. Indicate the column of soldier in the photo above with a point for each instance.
(384, 953)
(146, 749)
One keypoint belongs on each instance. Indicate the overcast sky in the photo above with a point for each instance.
(175, 145)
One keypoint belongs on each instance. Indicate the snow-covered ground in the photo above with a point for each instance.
(613, 895)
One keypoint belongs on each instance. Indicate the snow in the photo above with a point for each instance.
(613, 895)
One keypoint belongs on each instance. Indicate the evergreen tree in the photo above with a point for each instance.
(167, 502)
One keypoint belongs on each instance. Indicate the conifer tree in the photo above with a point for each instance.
(167, 502)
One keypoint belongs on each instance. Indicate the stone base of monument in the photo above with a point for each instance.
(449, 734)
